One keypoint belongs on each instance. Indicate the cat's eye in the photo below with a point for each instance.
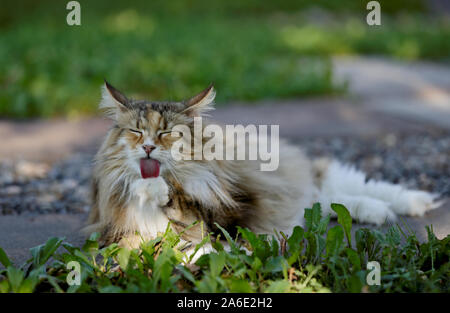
(135, 131)
(165, 132)
(162, 134)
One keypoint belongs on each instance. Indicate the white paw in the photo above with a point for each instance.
(152, 189)
(159, 190)
(374, 211)
(419, 202)
(205, 249)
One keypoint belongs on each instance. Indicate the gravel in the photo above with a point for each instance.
(414, 160)
(419, 161)
(38, 188)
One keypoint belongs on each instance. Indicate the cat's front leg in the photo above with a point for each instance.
(145, 218)
(153, 190)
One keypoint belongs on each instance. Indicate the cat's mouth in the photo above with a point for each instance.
(149, 167)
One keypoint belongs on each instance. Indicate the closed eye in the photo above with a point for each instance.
(137, 132)
(164, 132)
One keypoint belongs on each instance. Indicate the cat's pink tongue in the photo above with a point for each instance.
(149, 168)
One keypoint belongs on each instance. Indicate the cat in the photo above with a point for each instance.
(139, 187)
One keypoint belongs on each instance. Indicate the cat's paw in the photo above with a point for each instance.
(191, 256)
(152, 189)
(158, 186)
(158, 190)
(419, 202)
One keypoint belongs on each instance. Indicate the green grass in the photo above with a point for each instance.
(314, 259)
(170, 50)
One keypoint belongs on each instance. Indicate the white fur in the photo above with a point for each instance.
(208, 248)
(373, 201)
(144, 211)
(205, 249)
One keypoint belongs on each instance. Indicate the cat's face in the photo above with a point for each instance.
(143, 129)
(147, 133)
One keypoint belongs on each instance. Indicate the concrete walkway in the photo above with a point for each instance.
(385, 97)
(20, 233)
(412, 91)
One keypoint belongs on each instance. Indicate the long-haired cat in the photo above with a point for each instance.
(138, 187)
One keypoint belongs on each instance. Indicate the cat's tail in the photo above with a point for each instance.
(367, 200)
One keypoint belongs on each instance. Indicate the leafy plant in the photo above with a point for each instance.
(312, 259)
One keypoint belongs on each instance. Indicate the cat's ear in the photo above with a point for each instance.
(113, 101)
(201, 103)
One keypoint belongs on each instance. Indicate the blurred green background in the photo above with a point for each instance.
(251, 50)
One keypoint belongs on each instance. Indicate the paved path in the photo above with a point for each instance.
(20, 233)
(49, 140)
(413, 91)
(384, 97)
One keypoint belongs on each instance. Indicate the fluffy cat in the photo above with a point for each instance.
(229, 192)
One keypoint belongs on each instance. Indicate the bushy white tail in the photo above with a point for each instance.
(370, 201)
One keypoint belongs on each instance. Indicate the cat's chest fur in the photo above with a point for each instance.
(144, 212)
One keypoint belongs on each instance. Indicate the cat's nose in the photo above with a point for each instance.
(148, 148)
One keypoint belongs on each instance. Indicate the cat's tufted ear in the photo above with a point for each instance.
(201, 103)
(113, 101)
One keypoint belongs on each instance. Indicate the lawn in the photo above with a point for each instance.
(317, 258)
(170, 50)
